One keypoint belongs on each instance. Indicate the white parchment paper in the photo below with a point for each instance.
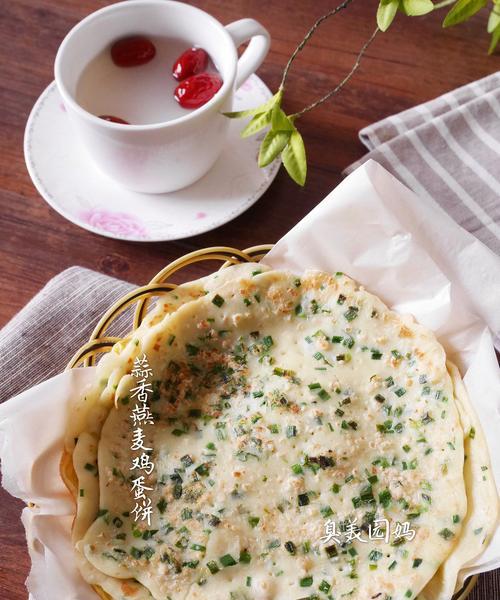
(399, 246)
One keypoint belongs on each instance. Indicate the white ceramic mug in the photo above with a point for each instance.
(159, 157)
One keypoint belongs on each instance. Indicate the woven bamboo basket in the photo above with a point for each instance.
(100, 343)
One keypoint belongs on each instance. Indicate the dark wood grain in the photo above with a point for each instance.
(414, 62)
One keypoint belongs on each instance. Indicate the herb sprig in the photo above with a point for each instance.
(283, 138)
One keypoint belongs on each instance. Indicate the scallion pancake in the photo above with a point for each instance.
(282, 404)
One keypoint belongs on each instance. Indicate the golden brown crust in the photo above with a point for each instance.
(70, 479)
(101, 593)
(68, 473)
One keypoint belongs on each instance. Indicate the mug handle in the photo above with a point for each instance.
(241, 31)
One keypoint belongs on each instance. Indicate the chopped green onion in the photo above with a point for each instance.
(375, 555)
(227, 561)
(303, 499)
(446, 534)
(324, 395)
(186, 460)
(253, 521)
(218, 300)
(213, 567)
(366, 495)
(351, 314)
(203, 469)
(426, 419)
(290, 547)
(186, 514)
(267, 341)
(385, 498)
(245, 557)
(324, 586)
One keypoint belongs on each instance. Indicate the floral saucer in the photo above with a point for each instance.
(67, 179)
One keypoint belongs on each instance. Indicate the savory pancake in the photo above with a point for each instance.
(481, 518)
(306, 444)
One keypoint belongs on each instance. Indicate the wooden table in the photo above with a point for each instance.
(414, 62)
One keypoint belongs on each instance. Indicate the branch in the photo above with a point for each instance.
(343, 82)
(308, 35)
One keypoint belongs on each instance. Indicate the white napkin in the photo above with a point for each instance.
(402, 248)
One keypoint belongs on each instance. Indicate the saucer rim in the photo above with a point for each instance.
(47, 196)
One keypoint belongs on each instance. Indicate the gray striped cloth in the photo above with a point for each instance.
(41, 339)
(448, 150)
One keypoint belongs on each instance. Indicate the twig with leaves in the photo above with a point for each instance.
(461, 11)
(282, 138)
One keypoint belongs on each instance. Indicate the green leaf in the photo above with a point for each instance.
(294, 158)
(256, 124)
(276, 99)
(416, 8)
(272, 145)
(386, 12)
(279, 120)
(494, 40)
(494, 19)
(463, 10)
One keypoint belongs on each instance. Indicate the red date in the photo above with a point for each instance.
(132, 51)
(113, 119)
(197, 90)
(191, 62)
